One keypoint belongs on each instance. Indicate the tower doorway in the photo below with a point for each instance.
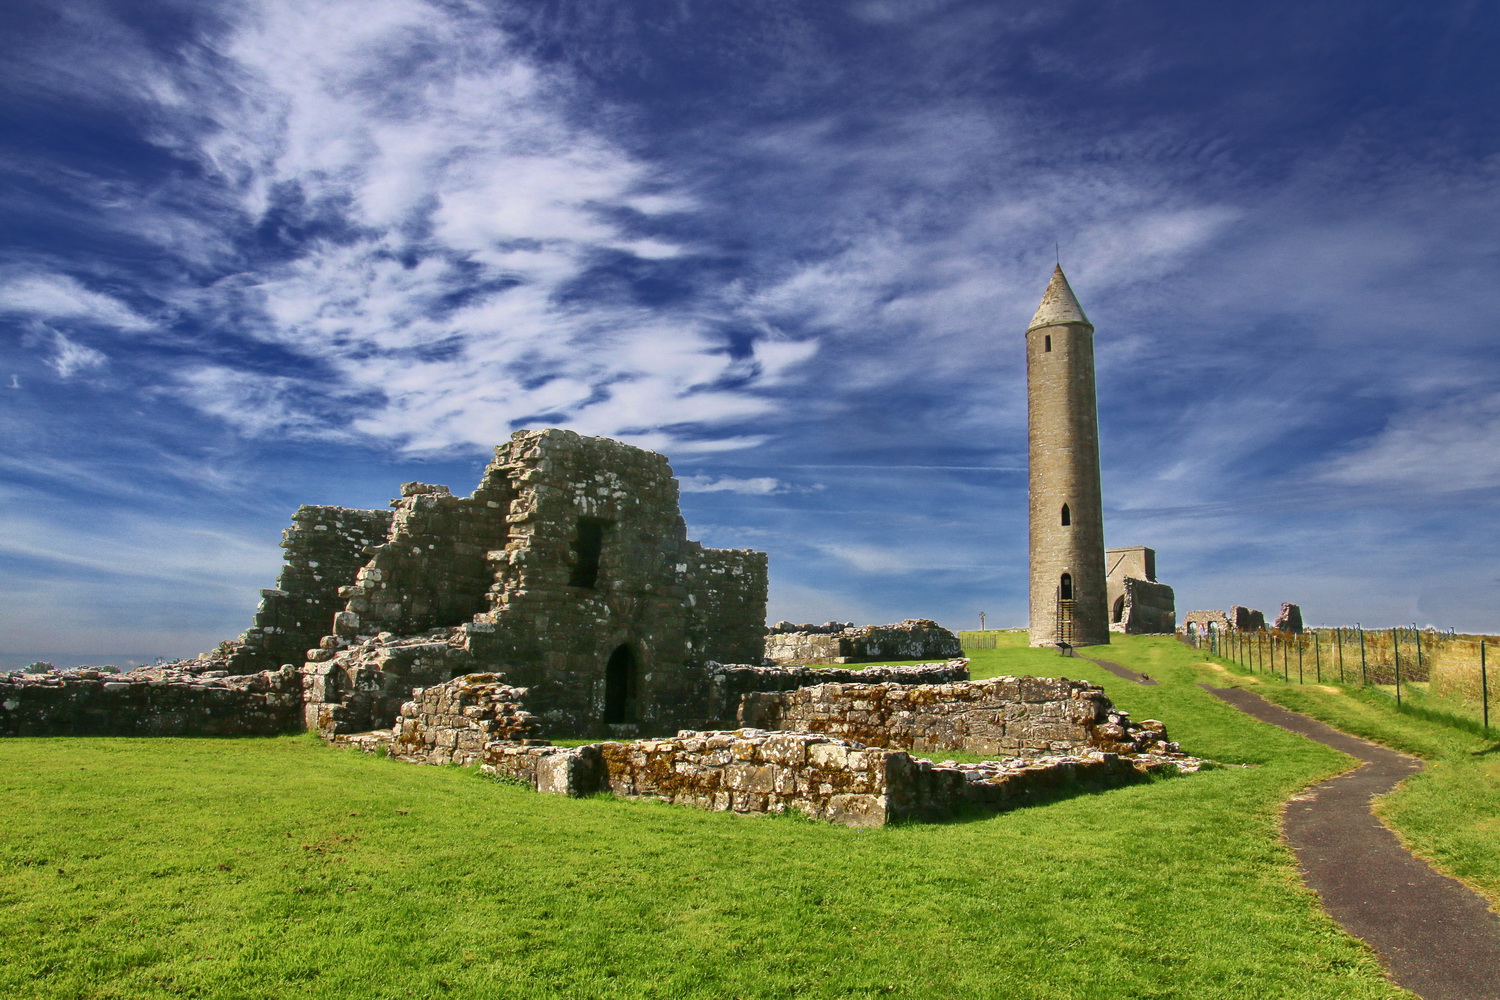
(621, 686)
(1067, 611)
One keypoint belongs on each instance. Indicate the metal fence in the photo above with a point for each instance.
(1451, 668)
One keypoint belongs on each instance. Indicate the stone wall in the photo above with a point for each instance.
(451, 723)
(1025, 716)
(1200, 621)
(1290, 619)
(912, 639)
(325, 547)
(353, 686)
(732, 681)
(568, 570)
(1064, 733)
(1143, 607)
(1247, 619)
(169, 701)
(837, 780)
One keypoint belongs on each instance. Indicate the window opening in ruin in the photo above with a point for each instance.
(588, 543)
(1118, 614)
(620, 686)
(1067, 517)
(1066, 593)
(1048, 340)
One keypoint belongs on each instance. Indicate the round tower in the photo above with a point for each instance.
(1068, 596)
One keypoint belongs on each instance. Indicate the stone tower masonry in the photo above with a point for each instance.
(1068, 591)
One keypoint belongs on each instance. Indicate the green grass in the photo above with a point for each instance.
(1450, 813)
(278, 867)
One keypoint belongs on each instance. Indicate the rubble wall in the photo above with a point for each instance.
(325, 548)
(824, 777)
(912, 639)
(731, 681)
(433, 570)
(351, 687)
(149, 702)
(451, 723)
(1011, 716)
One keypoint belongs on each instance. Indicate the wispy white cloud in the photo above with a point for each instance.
(70, 358)
(1440, 449)
(476, 206)
(49, 296)
(752, 486)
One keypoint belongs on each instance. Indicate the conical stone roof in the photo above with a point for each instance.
(1059, 305)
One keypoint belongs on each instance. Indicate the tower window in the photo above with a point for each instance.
(1067, 516)
(1066, 589)
(587, 546)
(1047, 340)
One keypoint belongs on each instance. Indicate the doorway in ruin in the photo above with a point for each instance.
(621, 686)
(1117, 613)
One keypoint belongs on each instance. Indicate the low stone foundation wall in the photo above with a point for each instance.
(173, 701)
(840, 781)
(1014, 716)
(732, 681)
(912, 639)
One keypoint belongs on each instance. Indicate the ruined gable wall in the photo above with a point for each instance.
(325, 548)
(1147, 608)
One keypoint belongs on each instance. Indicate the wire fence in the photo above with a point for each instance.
(1424, 670)
(993, 638)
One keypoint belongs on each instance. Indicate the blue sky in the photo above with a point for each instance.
(264, 253)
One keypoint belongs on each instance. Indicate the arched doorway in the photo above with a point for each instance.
(620, 686)
(1065, 591)
(1117, 614)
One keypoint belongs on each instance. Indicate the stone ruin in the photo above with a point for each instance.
(838, 642)
(1138, 604)
(1202, 621)
(1243, 619)
(563, 599)
(841, 752)
(1247, 619)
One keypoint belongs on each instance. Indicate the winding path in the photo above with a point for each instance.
(1121, 671)
(1434, 935)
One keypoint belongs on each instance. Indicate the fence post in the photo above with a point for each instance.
(1484, 685)
(1286, 661)
(1299, 660)
(1397, 648)
(1396, 655)
(1338, 641)
(1364, 671)
(1417, 636)
(1318, 657)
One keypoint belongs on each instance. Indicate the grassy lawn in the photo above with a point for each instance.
(272, 867)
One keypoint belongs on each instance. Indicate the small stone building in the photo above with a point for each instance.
(568, 569)
(1138, 604)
